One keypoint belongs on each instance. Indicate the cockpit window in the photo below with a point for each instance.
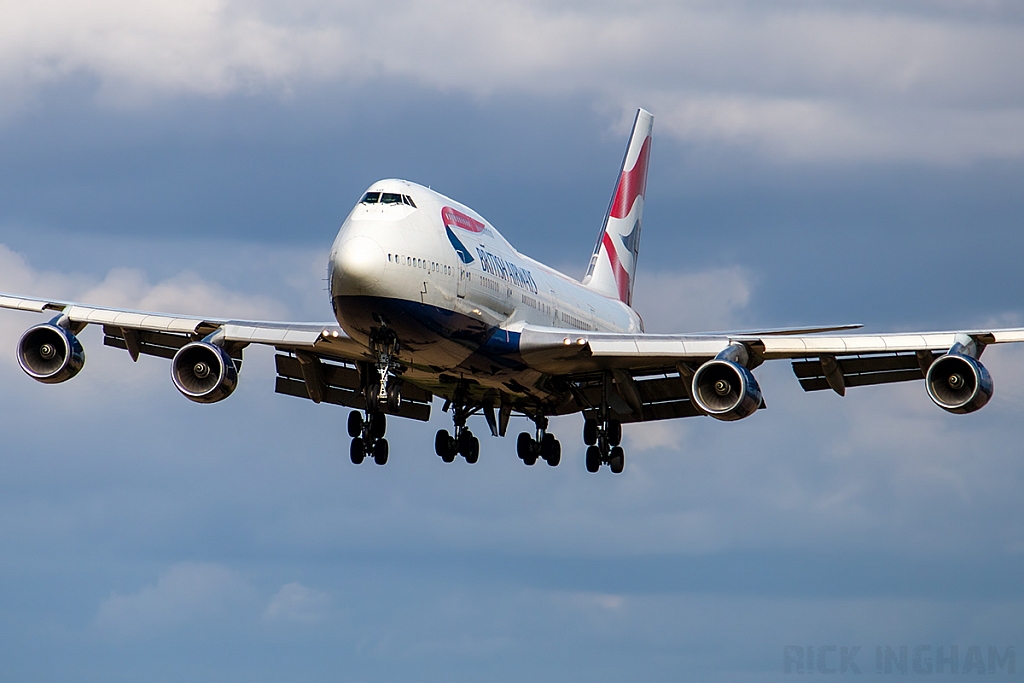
(387, 198)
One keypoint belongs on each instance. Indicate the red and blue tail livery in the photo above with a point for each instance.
(613, 265)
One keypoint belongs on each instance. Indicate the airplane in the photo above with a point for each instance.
(430, 300)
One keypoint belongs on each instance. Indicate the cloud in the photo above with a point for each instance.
(185, 293)
(702, 301)
(186, 593)
(795, 80)
(296, 603)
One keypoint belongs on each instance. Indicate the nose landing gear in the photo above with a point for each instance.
(385, 347)
(544, 445)
(602, 440)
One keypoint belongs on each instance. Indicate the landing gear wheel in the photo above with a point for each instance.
(378, 425)
(380, 452)
(590, 432)
(394, 397)
(593, 459)
(357, 451)
(469, 445)
(524, 445)
(551, 450)
(614, 432)
(474, 452)
(617, 460)
(441, 440)
(355, 424)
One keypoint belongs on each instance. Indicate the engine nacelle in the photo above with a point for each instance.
(958, 383)
(50, 354)
(203, 372)
(726, 390)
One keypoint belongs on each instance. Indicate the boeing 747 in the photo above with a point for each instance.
(430, 300)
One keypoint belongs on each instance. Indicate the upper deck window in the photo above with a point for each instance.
(371, 198)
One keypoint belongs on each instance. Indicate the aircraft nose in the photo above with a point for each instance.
(358, 265)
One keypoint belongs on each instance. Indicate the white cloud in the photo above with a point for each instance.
(297, 604)
(109, 373)
(796, 80)
(186, 593)
(702, 301)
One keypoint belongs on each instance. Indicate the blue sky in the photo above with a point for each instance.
(813, 163)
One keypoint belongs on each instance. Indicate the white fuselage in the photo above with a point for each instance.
(399, 265)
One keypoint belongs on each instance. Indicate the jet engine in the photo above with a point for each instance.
(958, 383)
(50, 354)
(204, 372)
(726, 390)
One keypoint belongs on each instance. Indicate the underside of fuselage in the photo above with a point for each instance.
(444, 351)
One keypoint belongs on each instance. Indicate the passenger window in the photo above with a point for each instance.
(371, 198)
(390, 198)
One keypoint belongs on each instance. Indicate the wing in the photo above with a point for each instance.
(650, 377)
(315, 360)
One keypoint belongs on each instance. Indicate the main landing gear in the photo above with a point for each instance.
(603, 439)
(544, 445)
(463, 443)
(368, 437)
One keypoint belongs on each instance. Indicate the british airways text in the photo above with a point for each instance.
(499, 267)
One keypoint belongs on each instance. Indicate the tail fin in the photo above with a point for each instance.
(613, 264)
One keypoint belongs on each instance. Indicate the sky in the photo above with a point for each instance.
(813, 163)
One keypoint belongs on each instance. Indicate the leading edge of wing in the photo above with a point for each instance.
(562, 351)
(273, 333)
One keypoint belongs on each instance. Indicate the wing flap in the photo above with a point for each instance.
(341, 384)
(860, 370)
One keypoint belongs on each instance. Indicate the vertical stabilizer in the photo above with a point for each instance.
(613, 264)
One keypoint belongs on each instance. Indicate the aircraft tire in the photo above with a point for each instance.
(593, 459)
(590, 432)
(378, 425)
(357, 451)
(614, 432)
(380, 452)
(441, 442)
(474, 451)
(394, 397)
(524, 445)
(355, 424)
(554, 455)
(617, 460)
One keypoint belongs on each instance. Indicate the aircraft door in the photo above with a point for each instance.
(463, 281)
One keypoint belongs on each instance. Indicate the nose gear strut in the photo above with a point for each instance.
(385, 347)
(368, 433)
